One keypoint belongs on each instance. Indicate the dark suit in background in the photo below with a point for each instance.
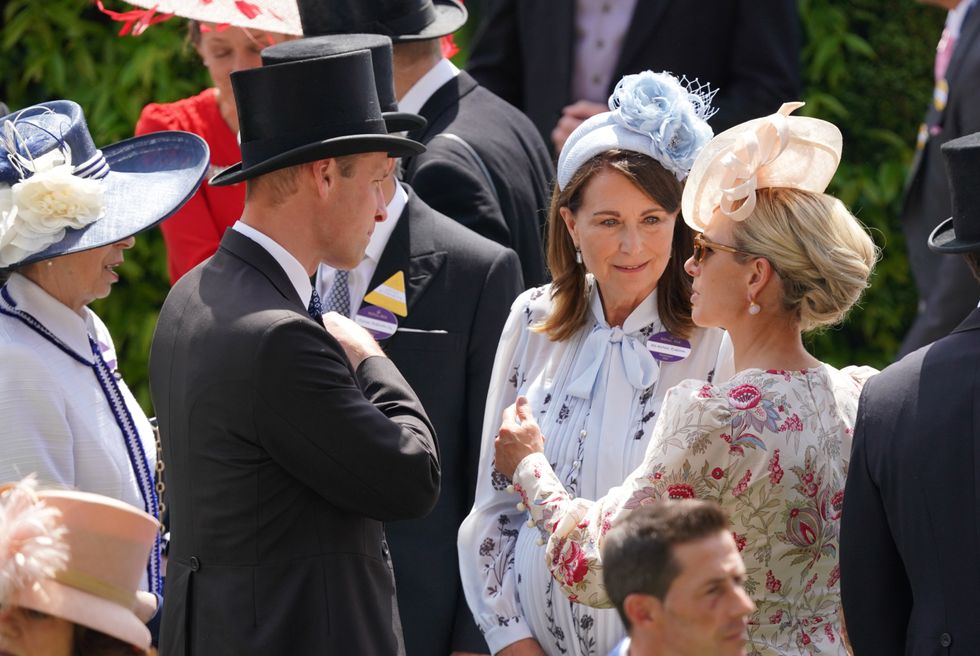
(910, 548)
(463, 284)
(485, 167)
(747, 49)
(282, 462)
(947, 290)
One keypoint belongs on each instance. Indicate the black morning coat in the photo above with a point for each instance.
(910, 543)
(749, 50)
(486, 167)
(282, 463)
(459, 289)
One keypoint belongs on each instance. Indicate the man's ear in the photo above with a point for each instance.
(643, 610)
(324, 173)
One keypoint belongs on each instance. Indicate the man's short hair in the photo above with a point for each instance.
(973, 261)
(282, 183)
(638, 553)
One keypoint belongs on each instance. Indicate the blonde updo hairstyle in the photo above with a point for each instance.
(822, 254)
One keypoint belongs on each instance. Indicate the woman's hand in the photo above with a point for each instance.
(518, 438)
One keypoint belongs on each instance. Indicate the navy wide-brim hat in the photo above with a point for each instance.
(308, 110)
(402, 20)
(145, 179)
(335, 44)
(960, 233)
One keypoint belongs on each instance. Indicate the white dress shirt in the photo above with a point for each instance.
(600, 28)
(56, 420)
(294, 270)
(360, 276)
(428, 84)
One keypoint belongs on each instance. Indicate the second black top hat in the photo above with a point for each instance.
(308, 110)
(380, 48)
(960, 233)
(402, 20)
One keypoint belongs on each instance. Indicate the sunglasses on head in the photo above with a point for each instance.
(702, 247)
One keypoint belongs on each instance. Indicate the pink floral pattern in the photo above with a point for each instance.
(772, 448)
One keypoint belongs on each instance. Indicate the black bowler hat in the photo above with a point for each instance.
(961, 232)
(308, 110)
(380, 47)
(402, 20)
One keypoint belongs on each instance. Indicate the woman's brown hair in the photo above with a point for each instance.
(568, 287)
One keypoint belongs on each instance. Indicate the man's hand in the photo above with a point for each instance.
(572, 116)
(518, 438)
(525, 647)
(357, 342)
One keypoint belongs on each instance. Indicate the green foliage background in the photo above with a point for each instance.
(866, 63)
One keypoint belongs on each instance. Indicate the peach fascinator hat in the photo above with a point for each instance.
(778, 150)
(77, 556)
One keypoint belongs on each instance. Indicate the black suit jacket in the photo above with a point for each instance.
(947, 289)
(498, 182)
(282, 462)
(463, 284)
(910, 543)
(747, 49)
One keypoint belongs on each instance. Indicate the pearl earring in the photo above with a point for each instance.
(754, 308)
(578, 256)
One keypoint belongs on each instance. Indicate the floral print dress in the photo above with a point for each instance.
(597, 394)
(772, 448)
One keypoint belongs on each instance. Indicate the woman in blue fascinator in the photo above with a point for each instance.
(594, 351)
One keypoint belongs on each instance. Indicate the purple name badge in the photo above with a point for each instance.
(378, 321)
(667, 348)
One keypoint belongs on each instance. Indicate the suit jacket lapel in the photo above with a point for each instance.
(254, 255)
(972, 322)
(410, 249)
(646, 19)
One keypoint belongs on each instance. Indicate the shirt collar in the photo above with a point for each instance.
(57, 317)
(382, 231)
(416, 97)
(955, 17)
(294, 270)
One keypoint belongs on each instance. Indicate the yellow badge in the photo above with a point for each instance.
(390, 295)
(940, 95)
(922, 137)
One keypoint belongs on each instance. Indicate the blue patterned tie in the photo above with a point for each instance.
(338, 300)
(315, 308)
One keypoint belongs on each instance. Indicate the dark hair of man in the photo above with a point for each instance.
(973, 260)
(637, 556)
(568, 287)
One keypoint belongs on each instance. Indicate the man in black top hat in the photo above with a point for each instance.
(910, 549)
(458, 290)
(485, 164)
(287, 444)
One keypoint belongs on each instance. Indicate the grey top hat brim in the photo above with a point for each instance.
(150, 178)
(450, 16)
(944, 240)
(403, 121)
(355, 144)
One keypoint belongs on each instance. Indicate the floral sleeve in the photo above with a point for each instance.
(575, 528)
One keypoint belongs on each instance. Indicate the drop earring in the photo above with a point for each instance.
(578, 256)
(754, 308)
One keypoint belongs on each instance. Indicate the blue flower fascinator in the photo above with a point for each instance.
(655, 114)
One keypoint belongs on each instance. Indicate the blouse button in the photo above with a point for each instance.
(510, 489)
(577, 464)
(530, 523)
(584, 433)
(521, 507)
(540, 542)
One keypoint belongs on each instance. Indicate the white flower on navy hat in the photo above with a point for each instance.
(49, 198)
(671, 112)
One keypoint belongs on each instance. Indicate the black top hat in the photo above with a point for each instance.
(308, 110)
(402, 20)
(380, 47)
(961, 232)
